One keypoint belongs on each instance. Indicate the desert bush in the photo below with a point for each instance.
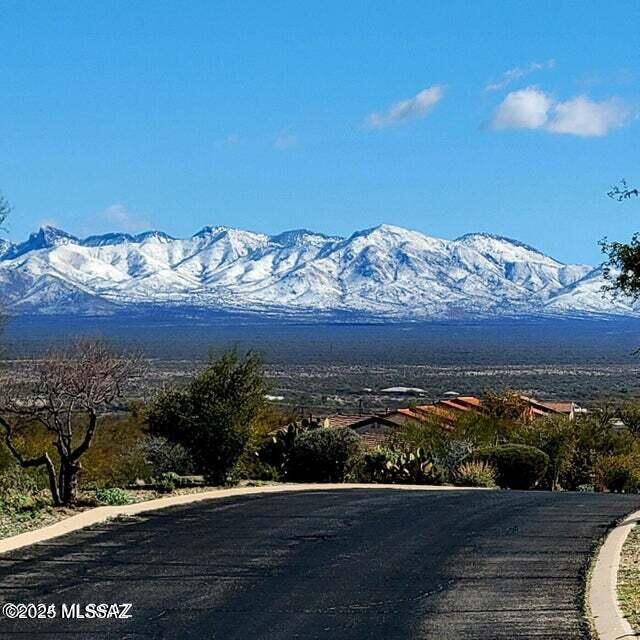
(594, 439)
(164, 456)
(261, 471)
(275, 450)
(20, 490)
(112, 496)
(15, 478)
(213, 416)
(115, 459)
(476, 473)
(556, 436)
(445, 450)
(619, 473)
(395, 466)
(167, 482)
(427, 435)
(322, 455)
(518, 466)
(266, 427)
(482, 430)
(451, 456)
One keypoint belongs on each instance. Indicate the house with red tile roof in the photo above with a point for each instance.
(375, 429)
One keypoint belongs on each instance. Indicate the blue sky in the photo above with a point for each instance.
(446, 117)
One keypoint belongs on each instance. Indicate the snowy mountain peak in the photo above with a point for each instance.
(301, 236)
(107, 239)
(210, 231)
(160, 236)
(385, 271)
(46, 237)
(382, 230)
(480, 239)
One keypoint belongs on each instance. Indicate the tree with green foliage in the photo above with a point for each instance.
(555, 435)
(594, 439)
(504, 405)
(629, 415)
(622, 268)
(619, 473)
(213, 415)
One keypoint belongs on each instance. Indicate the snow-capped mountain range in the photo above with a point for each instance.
(386, 271)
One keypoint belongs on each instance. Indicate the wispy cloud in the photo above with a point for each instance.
(124, 220)
(285, 141)
(531, 108)
(405, 110)
(516, 73)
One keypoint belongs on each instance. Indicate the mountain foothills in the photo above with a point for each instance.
(383, 272)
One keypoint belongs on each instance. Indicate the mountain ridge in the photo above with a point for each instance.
(385, 271)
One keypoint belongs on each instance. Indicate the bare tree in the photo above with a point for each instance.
(70, 390)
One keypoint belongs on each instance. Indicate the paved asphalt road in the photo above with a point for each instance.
(350, 564)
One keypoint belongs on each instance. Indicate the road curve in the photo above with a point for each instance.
(334, 565)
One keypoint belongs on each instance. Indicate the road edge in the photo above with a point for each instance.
(605, 612)
(101, 514)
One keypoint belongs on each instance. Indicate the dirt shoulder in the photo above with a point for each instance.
(629, 579)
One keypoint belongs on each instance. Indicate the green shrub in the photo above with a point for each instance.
(167, 482)
(518, 466)
(395, 466)
(23, 502)
(213, 416)
(322, 455)
(428, 436)
(263, 471)
(619, 473)
(556, 436)
(20, 491)
(476, 473)
(275, 452)
(15, 479)
(595, 438)
(113, 496)
(164, 456)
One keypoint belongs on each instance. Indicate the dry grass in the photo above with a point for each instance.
(629, 579)
(14, 522)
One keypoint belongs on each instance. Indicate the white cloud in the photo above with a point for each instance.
(285, 141)
(584, 117)
(531, 108)
(404, 110)
(524, 109)
(518, 72)
(123, 219)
